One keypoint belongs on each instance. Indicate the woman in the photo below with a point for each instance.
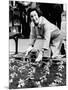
(41, 27)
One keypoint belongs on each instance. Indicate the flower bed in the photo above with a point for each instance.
(27, 74)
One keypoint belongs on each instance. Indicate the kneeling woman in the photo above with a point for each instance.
(41, 27)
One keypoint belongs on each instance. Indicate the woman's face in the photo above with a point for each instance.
(34, 17)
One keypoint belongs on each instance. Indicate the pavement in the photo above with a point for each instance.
(23, 45)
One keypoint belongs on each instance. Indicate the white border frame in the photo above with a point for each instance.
(4, 43)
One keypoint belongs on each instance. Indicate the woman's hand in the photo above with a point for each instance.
(28, 50)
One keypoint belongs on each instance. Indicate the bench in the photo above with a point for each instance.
(15, 36)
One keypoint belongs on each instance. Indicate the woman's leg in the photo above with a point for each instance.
(56, 43)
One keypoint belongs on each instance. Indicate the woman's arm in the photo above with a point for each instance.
(32, 34)
(47, 36)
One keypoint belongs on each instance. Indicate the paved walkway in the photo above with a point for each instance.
(23, 44)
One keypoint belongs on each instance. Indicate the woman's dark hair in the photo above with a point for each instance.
(35, 9)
